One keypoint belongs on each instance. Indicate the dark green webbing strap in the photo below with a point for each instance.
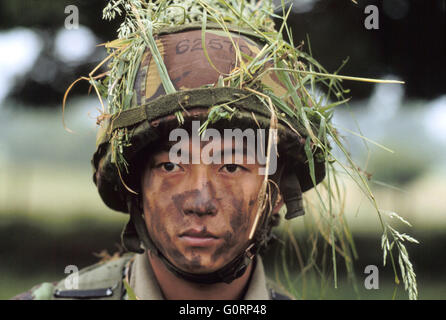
(135, 231)
(84, 294)
(188, 99)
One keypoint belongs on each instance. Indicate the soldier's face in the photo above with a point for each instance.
(200, 215)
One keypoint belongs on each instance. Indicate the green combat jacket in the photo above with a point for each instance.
(106, 281)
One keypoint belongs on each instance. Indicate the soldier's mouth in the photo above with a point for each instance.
(198, 238)
(198, 233)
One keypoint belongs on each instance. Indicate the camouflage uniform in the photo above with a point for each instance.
(105, 281)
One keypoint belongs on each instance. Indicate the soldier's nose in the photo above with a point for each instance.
(199, 204)
(201, 200)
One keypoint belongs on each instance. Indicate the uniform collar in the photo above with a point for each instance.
(145, 285)
(257, 284)
(142, 279)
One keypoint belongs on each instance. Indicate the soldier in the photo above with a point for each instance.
(175, 91)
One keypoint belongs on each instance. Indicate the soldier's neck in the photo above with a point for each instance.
(175, 288)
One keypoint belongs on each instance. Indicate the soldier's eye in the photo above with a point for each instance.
(231, 168)
(169, 166)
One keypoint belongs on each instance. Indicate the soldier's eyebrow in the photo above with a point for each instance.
(163, 147)
(158, 149)
(166, 146)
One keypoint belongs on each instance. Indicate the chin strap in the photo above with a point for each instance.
(136, 232)
(233, 270)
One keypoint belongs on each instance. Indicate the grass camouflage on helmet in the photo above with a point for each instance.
(228, 58)
(197, 74)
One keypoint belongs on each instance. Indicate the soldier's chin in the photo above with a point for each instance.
(200, 266)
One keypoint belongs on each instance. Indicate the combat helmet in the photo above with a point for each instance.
(223, 62)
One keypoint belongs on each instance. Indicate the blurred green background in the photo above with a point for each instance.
(51, 215)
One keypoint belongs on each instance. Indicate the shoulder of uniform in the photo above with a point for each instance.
(279, 295)
(43, 291)
(100, 273)
(102, 280)
(278, 292)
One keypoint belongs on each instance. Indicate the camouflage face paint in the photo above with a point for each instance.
(209, 199)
